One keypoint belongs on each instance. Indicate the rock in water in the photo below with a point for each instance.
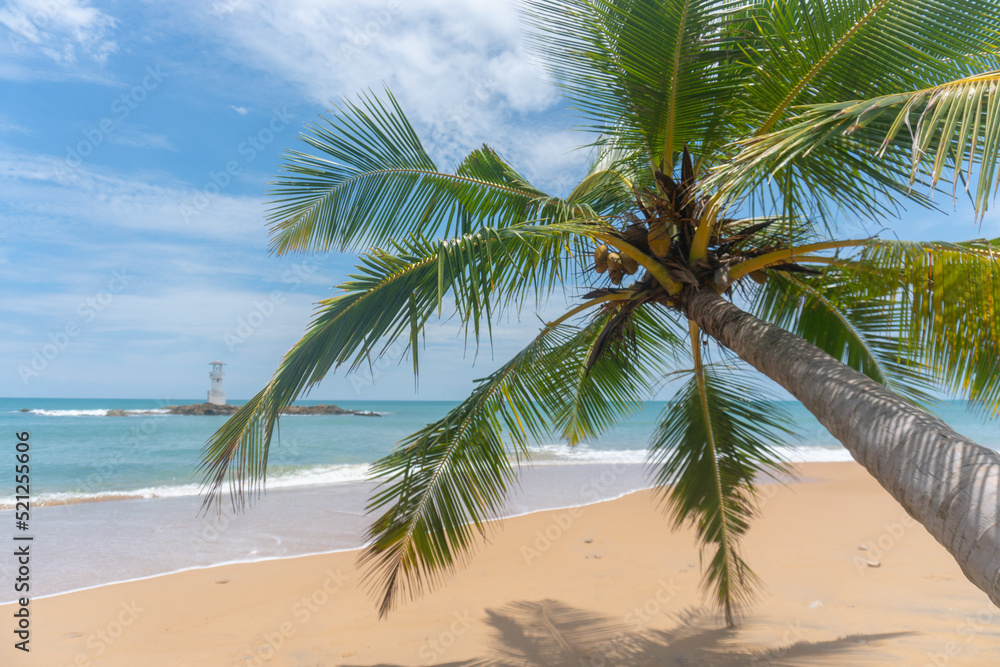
(211, 409)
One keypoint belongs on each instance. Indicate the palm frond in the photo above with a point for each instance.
(809, 53)
(946, 299)
(440, 485)
(711, 444)
(951, 128)
(372, 181)
(392, 297)
(850, 324)
(657, 74)
(612, 179)
(804, 53)
(613, 367)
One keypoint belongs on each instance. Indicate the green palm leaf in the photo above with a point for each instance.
(918, 135)
(373, 181)
(656, 74)
(613, 367)
(440, 486)
(811, 53)
(947, 302)
(392, 296)
(708, 450)
(850, 324)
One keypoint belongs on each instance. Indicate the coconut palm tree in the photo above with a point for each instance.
(735, 140)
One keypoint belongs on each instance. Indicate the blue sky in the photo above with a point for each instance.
(136, 144)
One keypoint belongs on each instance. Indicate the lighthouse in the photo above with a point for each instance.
(217, 395)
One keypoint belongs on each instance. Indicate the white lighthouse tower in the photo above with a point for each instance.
(217, 395)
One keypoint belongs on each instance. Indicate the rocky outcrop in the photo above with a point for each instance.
(325, 410)
(202, 409)
(213, 409)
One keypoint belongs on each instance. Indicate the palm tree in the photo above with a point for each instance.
(706, 227)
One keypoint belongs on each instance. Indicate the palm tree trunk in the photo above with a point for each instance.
(942, 479)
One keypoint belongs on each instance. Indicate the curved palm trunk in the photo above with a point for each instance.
(944, 480)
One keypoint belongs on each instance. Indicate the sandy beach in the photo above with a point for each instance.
(603, 584)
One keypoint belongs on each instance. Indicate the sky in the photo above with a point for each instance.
(137, 141)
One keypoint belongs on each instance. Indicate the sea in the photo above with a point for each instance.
(118, 498)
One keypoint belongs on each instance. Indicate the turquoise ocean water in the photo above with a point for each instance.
(81, 454)
(117, 498)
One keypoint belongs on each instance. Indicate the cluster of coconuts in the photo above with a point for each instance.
(617, 265)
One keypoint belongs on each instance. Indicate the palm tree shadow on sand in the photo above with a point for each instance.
(552, 634)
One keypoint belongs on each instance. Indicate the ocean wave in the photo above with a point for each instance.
(814, 453)
(329, 474)
(96, 412)
(555, 454)
(562, 454)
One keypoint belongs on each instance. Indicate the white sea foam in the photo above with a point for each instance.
(552, 454)
(331, 474)
(561, 454)
(814, 454)
(97, 412)
(70, 413)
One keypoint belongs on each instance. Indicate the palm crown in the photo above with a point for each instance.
(733, 136)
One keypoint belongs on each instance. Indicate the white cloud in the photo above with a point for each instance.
(60, 29)
(7, 126)
(51, 196)
(138, 139)
(243, 111)
(457, 67)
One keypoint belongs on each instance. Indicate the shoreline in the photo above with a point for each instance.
(348, 473)
(611, 582)
(102, 543)
(266, 559)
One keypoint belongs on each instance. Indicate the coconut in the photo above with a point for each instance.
(601, 258)
(759, 276)
(614, 261)
(616, 276)
(629, 265)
